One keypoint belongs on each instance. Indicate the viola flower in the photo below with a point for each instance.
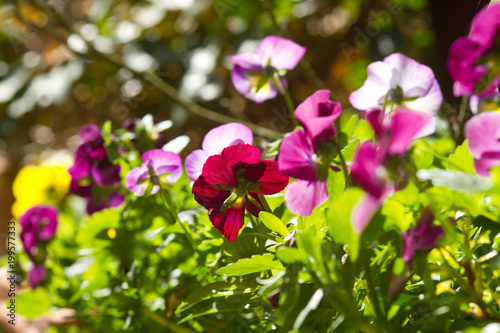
(92, 169)
(145, 130)
(214, 142)
(473, 61)
(229, 183)
(39, 223)
(483, 133)
(160, 168)
(421, 237)
(370, 169)
(400, 81)
(37, 275)
(253, 73)
(307, 154)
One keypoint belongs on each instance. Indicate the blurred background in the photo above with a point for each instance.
(67, 63)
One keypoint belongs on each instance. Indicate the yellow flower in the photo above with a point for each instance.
(38, 184)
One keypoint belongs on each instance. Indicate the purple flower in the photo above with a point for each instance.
(369, 169)
(39, 223)
(37, 275)
(160, 168)
(253, 73)
(483, 133)
(92, 169)
(421, 237)
(214, 142)
(400, 81)
(307, 154)
(473, 60)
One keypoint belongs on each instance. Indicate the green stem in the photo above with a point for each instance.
(375, 299)
(288, 98)
(342, 161)
(172, 210)
(264, 202)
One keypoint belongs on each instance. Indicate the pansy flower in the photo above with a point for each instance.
(421, 237)
(229, 185)
(253, 73)
(160, 168)
(39, 224)
(307, 154)
(93, 176)
(373, 168)
(483, 134)
(400, 81)
(473, 61)
(214, 142)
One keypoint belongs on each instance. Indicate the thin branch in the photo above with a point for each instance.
(152, 78)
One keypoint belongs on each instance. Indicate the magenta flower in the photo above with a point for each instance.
(214, 142)
(473, 60)
(421, 237)
(37, 275)
(92, 169)
(253, 73)
(400, 81)
(229, 183)
(39, 223)
(307, 154)
(160, 168)
(483, 133)
(369, 169)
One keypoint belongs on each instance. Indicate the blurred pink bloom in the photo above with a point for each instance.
(400, 81)
(473, 60)
(483, 133)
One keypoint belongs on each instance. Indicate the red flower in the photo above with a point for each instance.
(229, 182)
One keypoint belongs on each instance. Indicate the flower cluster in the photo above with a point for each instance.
(93, 176)
(39, 224)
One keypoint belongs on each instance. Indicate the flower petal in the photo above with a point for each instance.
(372, 94)
(483, 134)
(273, 181)
(228, 222)
(37, 275)
(364, 169)
(194, 163)
(302, 197)
(404, 127)
(226, 135)
(218, 169)
(284, 53)
(295, 157)
(208, 195)
(414, 78)
(363, 211)
(137, 179)
(428, 104)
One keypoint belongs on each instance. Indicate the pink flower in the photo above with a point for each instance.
(252, 73)
(228, 185)
(421, 237)
(160, 168)
(369, 169)
(307, 154)
(400, 81)
(214, 142)
(483, 133)
(473, 60)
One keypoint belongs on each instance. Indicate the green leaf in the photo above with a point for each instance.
(33, 303)
(461, 159)
(255, 264)
(311, 305)
(455, 180)
(339, 220)
(336, 185)
(273, 223)
(291, 255)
